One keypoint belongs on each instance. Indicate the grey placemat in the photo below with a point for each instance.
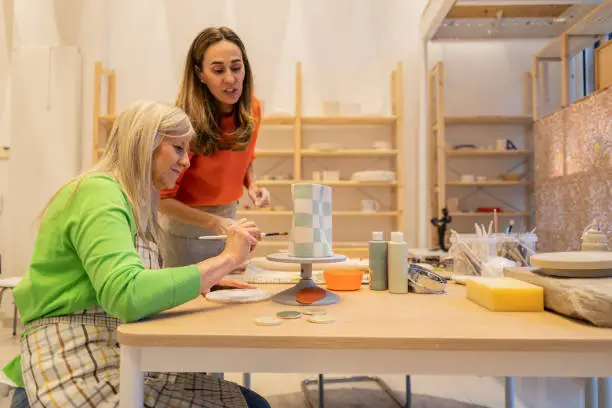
(587, 299)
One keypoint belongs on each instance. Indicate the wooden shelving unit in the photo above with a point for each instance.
(103, 123)
(299, 121)
(585, 31)
(457, 21)
(438, 123)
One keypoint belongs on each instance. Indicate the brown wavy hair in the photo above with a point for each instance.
(203, 108)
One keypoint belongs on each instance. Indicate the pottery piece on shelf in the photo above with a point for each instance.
(373, 175)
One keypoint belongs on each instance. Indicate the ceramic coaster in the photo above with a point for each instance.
(308, 296)
(314, 312)
(321, 319)
(288, 314)
(268, 321)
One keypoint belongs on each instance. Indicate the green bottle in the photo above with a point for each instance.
(378, 262)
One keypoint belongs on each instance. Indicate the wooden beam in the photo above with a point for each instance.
(509, 11)
(565, 68)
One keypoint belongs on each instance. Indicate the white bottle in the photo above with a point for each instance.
(397, 263)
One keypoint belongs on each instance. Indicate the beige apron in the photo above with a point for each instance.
(180, 245)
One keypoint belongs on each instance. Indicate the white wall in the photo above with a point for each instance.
(47, 51)
(6, 40)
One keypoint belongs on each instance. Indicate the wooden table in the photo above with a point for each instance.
(374, 332)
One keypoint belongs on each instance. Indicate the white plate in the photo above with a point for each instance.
(238, 295)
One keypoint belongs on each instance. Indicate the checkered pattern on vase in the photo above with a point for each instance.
(311, 232)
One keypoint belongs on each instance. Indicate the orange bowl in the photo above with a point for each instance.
(343, 279)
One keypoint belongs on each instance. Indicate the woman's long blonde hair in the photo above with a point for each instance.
(203, 108)
(128, 157)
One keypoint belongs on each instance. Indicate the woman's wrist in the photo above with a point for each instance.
(214, 269)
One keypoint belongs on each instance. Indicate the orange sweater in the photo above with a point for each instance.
(218, 179)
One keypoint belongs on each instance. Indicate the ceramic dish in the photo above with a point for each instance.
(238, 295)
(590, 264)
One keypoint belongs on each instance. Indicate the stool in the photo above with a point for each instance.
(9, 284)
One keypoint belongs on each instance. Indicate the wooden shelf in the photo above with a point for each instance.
(454, 20)
(348, 120)
(486, 153)
(278, 120)
(341, 183)
(491, 183)
(489, 120)
(490, 214)
(583, 33)
(336, 213)
(107, 121)
(348, 153)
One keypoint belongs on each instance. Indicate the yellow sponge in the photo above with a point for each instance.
(505, 294)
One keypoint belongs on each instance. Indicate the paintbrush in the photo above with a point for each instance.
(265, 234)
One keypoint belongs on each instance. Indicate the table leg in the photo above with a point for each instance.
(408, 392)
(246, 380)
(15, 319)
(509, 392)
(590, 393)
(131, 387)
(605, 392)
(321, 392)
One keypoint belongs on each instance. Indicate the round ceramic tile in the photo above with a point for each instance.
(314, 312)
(288, 314)
(322, 319)
(268, 321)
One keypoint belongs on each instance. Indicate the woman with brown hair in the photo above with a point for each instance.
(217, 94)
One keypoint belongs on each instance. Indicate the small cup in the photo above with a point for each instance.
(331, 175)
(467, 178)
(381, 145)
(331, 108)
(370, 206)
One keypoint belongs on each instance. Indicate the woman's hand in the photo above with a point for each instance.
(222, 225)
(241, 240)
(259, 196)
(231, 284)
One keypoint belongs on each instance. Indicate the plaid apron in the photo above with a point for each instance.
(73, 361)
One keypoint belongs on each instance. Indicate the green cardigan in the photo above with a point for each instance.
(85, 255)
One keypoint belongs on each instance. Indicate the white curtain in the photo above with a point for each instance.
(45, 139)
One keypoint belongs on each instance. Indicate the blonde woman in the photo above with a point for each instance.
(217, 94)
(86, 275)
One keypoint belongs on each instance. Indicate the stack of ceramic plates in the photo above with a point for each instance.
(588, 264)
(238, 295)
(373, 175)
